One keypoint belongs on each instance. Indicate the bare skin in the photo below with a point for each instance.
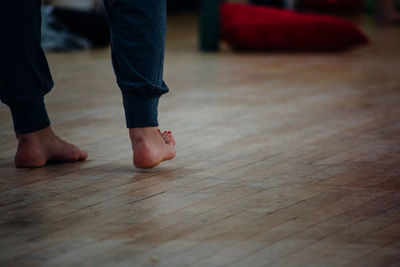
(38, 148)
(150, 147)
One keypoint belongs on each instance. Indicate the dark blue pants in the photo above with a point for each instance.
(138, 31)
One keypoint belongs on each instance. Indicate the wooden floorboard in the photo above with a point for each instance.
(283, 159)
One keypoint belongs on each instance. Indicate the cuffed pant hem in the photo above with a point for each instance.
(29, 116)
(140, 110)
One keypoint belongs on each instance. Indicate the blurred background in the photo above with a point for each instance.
(75, 25)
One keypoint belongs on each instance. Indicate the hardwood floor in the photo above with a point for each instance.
(283, 160)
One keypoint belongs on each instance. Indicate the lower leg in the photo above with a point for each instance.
(25, 79)
(138, 39)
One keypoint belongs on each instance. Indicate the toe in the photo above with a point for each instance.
(66, 153)
(83, 155)
(171, 139)
(168, 138)
(74, 154)
(171, 153)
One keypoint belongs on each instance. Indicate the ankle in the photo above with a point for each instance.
(27, 138)
(34, 135)
(143, 133)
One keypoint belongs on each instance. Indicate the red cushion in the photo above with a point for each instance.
(248, 27)
(334, 5)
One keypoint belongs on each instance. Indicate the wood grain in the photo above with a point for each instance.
(283, 160)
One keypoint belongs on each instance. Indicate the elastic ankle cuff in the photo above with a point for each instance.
(29, 116)
(140, 110)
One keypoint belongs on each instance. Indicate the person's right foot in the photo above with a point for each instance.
(37, 148)
(151, 147)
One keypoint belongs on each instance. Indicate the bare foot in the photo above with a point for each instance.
(37, 148)
(151, 147)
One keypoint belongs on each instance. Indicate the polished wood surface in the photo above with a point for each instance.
(283, 160)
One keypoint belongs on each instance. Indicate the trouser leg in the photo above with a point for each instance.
(24, 73)
(138, 31)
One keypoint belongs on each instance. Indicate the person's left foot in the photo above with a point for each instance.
(151, 147)
(37, 148)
